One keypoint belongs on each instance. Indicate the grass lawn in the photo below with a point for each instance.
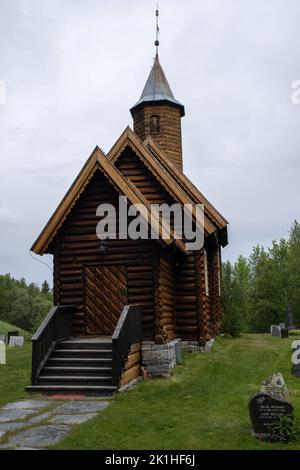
(204, 405)
(15, 375)
(5, 327)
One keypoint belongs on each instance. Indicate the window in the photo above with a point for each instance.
(206, 273)
(154, 124)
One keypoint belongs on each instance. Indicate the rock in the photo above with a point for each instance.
(76, 407)
(12, 415)
(42, 436)
(265, 410)
(9, 427)
(28, 405)
(37, 419)
(7, 446)
(73, 419)
(275, 386)
(26, 448)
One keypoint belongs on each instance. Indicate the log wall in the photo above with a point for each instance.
(76, 246)
(132, 366)
(169, 136)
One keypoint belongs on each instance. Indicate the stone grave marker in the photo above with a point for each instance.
(275, 386)
(2, 338)
(16, 341)
(11, 333)
(2, 353)
(282, 326)
(265, 410)
(296, 358)
(276, 331)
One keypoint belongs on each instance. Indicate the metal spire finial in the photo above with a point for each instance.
(157, 30)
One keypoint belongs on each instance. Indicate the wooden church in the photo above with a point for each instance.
(120, 303)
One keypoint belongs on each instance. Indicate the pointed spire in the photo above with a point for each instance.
(157, 87)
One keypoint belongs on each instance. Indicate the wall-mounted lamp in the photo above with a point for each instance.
(102, 247)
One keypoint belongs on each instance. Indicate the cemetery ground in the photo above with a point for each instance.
(204, 405)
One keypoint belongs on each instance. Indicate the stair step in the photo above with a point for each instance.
(71, 371)
(85, 351)
(76, 377)
(92, 353)
(100, 390)
(74, 361)
(74, 380)
(94, 345)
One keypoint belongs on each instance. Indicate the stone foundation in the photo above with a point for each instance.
(160, 359)
(193, 346)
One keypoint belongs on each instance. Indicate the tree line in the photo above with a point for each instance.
(24, 305)
(258, 290)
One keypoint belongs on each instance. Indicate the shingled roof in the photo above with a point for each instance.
(157, 88)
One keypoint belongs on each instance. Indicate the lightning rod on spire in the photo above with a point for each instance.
(157, 29)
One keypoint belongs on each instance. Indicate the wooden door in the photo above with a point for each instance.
(105, 298)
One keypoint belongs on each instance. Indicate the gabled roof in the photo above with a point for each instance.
(97, 161)
(157, 88)
(184, 182)
(162, 173)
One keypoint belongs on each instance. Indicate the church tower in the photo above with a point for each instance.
(158, 114)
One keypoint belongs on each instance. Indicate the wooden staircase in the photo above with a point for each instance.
(88, 365)
(78, 365)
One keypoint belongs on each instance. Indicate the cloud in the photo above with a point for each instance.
(73, 69)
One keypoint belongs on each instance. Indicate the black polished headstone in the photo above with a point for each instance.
(265, 410)
(284, 333)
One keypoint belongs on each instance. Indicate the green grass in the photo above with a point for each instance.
(204, 405)
(15, 374)
(5, 327)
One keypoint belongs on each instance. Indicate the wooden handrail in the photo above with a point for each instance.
(57, 325)
(127, 332)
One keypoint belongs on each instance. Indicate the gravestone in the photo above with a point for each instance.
(2, 338)
(282, 326)
(2, 353)
(11, 333)
(284, 333)
(290, 320)
(275, 386)
(276, 331)
(296, 358)
(265, 410)
(16, 341)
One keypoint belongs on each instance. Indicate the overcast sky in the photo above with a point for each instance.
(73, 68)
